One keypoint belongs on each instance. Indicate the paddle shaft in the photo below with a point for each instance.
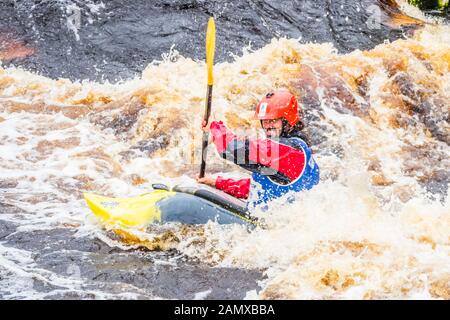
(210, 48)
(206, 134)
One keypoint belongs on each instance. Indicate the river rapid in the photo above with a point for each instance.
(377, 226)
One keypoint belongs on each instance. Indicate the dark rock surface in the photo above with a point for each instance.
(116, 39)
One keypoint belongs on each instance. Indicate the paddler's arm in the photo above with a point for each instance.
(283, 162)
(221, 137)
(237, 188)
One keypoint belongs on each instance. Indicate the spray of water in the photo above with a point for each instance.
(377, 225)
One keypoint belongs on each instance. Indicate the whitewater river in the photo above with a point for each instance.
(377, 226)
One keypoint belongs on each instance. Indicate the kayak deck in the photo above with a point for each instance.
(188, 205)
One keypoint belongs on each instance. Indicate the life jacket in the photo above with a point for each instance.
(269, 188)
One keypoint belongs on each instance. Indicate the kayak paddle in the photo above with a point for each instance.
(210, 47)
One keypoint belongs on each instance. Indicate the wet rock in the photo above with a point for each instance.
(120, 38)
(437, 118)
(337, 150)
(180, 281)
(6, 228)
(85, 183)
(12, 48)
(72, 112)
(431, 109)
(71, 295)
(317, 134)
(113, 271)
(437, 183)
(164, 241)
(46, 147)
(129, 155)
(121, 120)
(10, 208)
(224, 283)
(104, 161)
(51, 240)
(380, 180)
(314, 128)
(440, 289)
(137, 180)
(335, 92)
(151, 145)
(43, 286)
(110, 268)
(8, 183)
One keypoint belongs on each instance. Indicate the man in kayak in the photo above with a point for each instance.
(280, 163)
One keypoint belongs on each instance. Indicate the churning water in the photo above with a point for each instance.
(377, 225)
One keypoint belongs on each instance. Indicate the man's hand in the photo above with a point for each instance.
(209, 181)
(205, 126)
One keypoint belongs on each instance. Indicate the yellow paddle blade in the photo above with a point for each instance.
(127, 212)
(210, 47)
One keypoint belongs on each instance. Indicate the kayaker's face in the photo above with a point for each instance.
(273, 128)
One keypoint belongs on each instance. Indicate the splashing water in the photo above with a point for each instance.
(377, 225)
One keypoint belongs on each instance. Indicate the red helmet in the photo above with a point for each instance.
(278, 104)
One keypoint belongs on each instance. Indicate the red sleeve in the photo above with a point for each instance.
(236, 188)
(221, 137)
